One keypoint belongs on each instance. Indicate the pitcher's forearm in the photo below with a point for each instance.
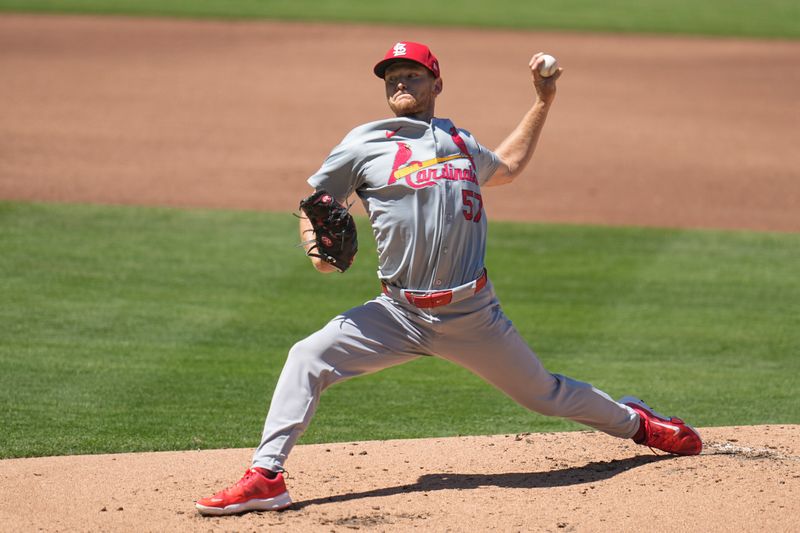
(518, 148)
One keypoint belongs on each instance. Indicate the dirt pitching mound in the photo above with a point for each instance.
(747, 479)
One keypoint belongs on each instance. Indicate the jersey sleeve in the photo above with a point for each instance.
(486, 161)
(340, 172)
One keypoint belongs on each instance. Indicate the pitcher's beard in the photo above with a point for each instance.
(405, 106)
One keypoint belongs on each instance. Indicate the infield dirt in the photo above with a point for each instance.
(748, 479)
(646, 131)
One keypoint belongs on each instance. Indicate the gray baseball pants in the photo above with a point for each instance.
(473, 333)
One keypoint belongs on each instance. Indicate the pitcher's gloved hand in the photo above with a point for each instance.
(335, 239)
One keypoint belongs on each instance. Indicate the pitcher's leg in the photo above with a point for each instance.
(363, 340)
(501, 357)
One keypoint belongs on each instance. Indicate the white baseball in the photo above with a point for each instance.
(548, 66)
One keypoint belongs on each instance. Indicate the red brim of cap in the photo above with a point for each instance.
(380, 68)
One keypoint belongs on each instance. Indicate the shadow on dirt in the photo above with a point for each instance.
(575, 475)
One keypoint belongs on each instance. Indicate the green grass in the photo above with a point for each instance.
(126, 329)
(747, 18)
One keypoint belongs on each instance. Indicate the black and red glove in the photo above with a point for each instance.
(335, 239)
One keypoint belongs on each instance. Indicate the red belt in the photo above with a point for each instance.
(429, 299)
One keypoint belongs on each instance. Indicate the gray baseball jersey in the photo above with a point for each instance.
(420, 184)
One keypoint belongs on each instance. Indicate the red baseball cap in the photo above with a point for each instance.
(408, 51)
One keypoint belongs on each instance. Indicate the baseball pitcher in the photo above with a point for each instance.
(420, 179)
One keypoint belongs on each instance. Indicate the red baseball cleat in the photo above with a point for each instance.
(254, 492)
(671, 435)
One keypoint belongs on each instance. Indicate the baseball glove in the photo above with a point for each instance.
(335, 239)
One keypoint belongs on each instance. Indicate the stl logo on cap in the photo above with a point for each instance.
(408, 51)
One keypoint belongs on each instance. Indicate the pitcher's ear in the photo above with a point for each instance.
(438, 86)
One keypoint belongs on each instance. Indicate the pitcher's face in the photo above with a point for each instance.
(411, 90)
